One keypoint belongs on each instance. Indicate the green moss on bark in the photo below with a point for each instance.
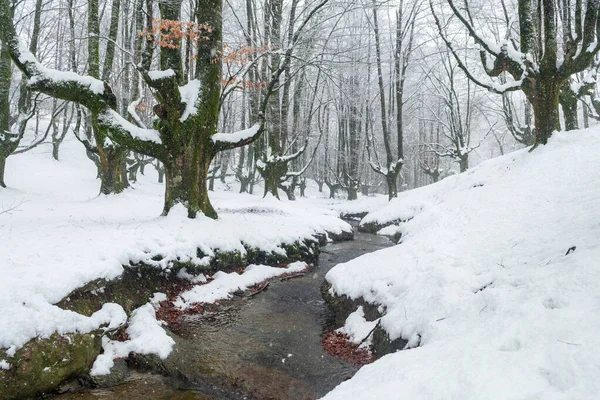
(41, 365)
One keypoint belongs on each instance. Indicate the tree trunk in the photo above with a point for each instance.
(290, 191)
(272, 173)
(364, 189)
(186, 182)
(55, 147)
(390, 179)
(463, 163)
(352, 192)
(2, 169)
(586, 118)
(243, 184)
(545, 112)
(111, 164)
(568, 101)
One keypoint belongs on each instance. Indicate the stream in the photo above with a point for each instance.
(265, 347)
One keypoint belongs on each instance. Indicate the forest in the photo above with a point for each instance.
(369, 98)
(408, 183)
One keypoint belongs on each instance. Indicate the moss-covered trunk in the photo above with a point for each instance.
(186, 180)
(113, 180)
(544, 101)
(272, 172)
(6, 145)
(568, 102)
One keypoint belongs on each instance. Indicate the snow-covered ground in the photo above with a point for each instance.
(61, 235)
(362, 205)
(483, 284)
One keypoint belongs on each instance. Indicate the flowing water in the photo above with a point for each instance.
(264, 347)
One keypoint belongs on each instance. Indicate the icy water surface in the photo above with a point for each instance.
(264, 347)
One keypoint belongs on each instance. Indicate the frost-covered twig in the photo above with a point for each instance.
(12, 207)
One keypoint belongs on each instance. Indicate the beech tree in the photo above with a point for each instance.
(531, 54)
(184, 137)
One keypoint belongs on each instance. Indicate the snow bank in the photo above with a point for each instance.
(62, 235)
(224, 284)
(482, 285)
(146, 336)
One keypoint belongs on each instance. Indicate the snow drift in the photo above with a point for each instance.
(495, 282)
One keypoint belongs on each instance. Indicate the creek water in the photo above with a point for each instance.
(264, 347)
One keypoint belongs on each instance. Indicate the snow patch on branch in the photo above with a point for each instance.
(238, 136)
(113, 119)
(505, 87)
(147, 336)
(41, 73)
(158, 75)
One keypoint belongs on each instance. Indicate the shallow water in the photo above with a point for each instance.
(264, 347)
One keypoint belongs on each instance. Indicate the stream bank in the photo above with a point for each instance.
(265, 347)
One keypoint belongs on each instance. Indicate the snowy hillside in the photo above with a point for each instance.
(61, 235)
(495, 283)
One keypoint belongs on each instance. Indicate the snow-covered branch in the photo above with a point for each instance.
(90, 92)
(228, 141)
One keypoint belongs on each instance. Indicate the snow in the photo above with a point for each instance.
(189, 96)
(358, 328)
(481, 285)
(63, 235)
(224, 284)
(43, 73)
(183, 274)
(157, 75)
(131, 109)
(157, 298)
(236, 136)
(362, 205)
(146, 336)
(112, 118)
(4, 364)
